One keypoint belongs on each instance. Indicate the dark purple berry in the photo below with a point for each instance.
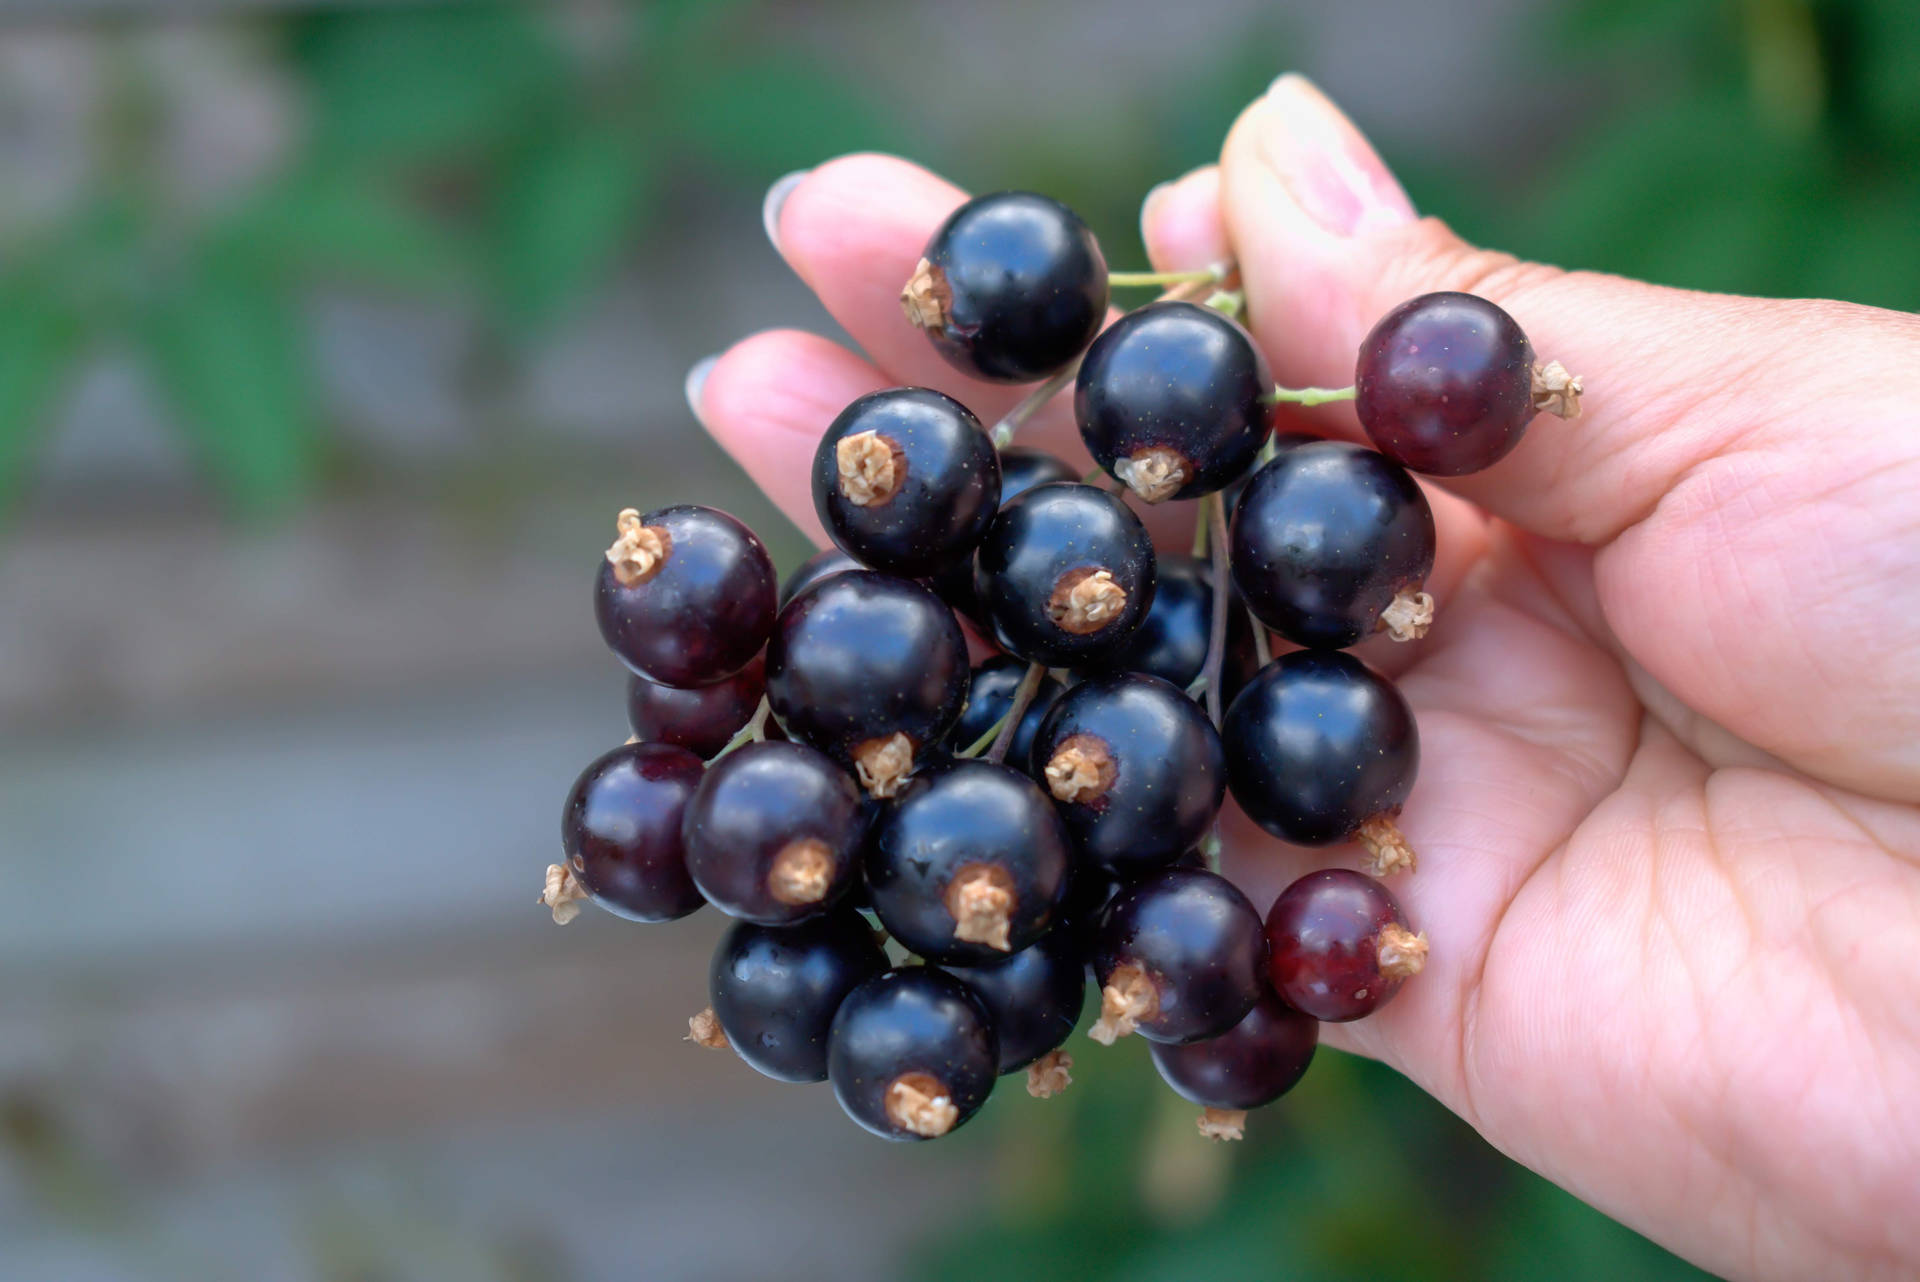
(701, 719)
(823, 564)
(775, 989)
(685, 595)
(1340, 945)
(968, 864)
(1065, 574)
(1012, 287)
(1171, 400)
(1136, 768)
(1033, 997)
(1320, 749)
(621, 831)
(994, 682)
(871, 670)
(1020, 470)
(906, 480)
(1171, 641)
(773, 834)
(1180, 956)
(1251, 1064)
(911, 1054)
(1444, 384)
(1332, 543)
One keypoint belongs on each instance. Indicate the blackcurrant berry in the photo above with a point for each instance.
(906, 480)
(1170, 400)
(775, 988)
(1332, 543)
(686, 595)
(1444, 384)
(1065, 574)
(823, 564)
(911, 1054)
(994, 682)
(1033, 997)
(621, 831)
(869, 669)
(1321, 748)
(1012, 287)
(700, 719)
(1251, 1064)
(1020, 470)
(1136, 768)
(1171, 641)
(968, 864)
(1340, 945)
(773, 833)
(1180, 956)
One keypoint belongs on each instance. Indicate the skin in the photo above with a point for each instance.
(1670, 846)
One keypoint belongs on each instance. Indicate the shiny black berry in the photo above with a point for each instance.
(1180, 956)
(1332, 543)
(869, 669)
(1171, 641)
(1011, 287)
(1170, 401)
(911, 1054)
(1136, 768)
(621, 831)
(1445, 384)
(775, 989)
(1251, 1064)
(968, 864)
(1020, 470)
(686, 595)
(1320, 749)
(823, 564)
(700, 719)
(906, 480)
(1065, 574)
(773, 833)
(994, 682)
(1033, 997)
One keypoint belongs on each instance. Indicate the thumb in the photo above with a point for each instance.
(1328, 243)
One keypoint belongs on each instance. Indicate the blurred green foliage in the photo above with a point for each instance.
(513, 157)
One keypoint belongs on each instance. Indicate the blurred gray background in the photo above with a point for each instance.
(330, 339)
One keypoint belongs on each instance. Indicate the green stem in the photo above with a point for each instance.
(1094, 477)
(1029, 685)
(1228, 302)
(1215, 511)
(1128, 280)
(1200, 529)
(1262, 649)
(1030, 405)
(986, 738)
(753, 732)
(1311, 395)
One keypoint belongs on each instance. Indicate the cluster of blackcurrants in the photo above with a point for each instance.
(820, 763)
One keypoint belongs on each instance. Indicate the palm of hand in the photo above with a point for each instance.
(1670, 970)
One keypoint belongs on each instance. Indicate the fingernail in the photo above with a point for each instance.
(1327, 166)
(1146, 212)
(776, 199)
(697, 386)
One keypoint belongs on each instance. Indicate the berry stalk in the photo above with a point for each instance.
(1200, 276)
(1021, 698)
(1311, 395)
(753, 732)
(1222, 592)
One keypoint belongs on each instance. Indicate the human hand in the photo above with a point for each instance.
(1670, 710)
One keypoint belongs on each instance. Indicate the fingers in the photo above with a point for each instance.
(1328, 243)
(853, 230)
(767, 400)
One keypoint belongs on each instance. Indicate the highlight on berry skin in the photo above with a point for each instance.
(927, 854)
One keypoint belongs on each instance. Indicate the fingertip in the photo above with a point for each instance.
(1181, 223)
(854, 207)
